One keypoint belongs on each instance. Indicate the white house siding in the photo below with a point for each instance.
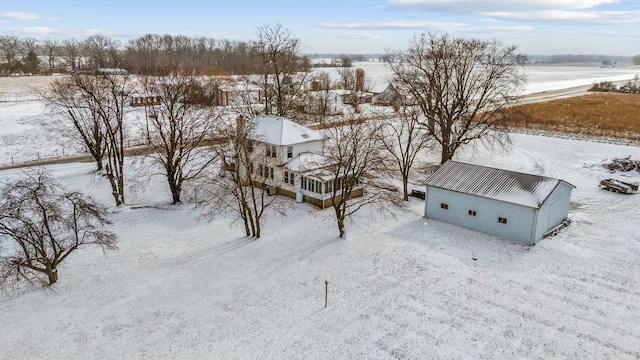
(520, 219)
(315, 147)
(554, 211)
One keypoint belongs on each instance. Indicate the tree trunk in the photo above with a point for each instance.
(405, 186)
(446, 154)
(52, 274)
(341, 227)
(174, 187)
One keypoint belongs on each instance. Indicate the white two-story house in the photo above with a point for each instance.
(289, 160)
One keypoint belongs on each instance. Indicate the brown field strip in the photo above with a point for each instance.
(597, 114)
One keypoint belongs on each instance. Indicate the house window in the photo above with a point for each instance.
(289, 152)
(271, 151)
(502, 220)
(328, 186)
(292, 179)
(286, 177)
(472, 212)
(444, 206)
(265, 171)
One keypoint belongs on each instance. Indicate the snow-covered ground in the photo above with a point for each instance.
(403, 287)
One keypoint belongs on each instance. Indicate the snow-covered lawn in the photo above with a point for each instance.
(403, 287)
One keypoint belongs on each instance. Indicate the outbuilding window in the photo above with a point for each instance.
(472, 212)
(444, 206)
(502, 220)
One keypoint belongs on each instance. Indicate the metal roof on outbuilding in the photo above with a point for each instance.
(504, 185)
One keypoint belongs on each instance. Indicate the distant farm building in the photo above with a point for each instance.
(239, 94)
(145, 100)
(607, 64)
(516, 206)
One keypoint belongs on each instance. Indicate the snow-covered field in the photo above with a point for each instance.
(403, 287)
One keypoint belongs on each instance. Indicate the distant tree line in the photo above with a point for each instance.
(580, 59)
(149, 54)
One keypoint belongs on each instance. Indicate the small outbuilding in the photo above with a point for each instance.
(512, 205)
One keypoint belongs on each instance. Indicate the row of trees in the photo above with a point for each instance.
(451, 92)
(149, 54)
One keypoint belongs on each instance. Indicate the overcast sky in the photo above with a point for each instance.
(538, 27)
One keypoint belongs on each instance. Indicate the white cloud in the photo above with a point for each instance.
(422, 25)
(17, 15)
(547, 11)
(392, 25)
(572, 17)
(477, 6)
(357, 36)
(34, 30)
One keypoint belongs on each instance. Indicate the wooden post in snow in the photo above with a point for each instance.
(326, 292)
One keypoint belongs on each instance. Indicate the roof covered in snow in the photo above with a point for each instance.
(277, 130)
(504, 185)
(306, 161)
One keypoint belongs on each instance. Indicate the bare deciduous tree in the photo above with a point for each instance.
(356, 85)
(463, 87)
(107, 96)
(245, 176)
(360, 169)
(51, 47)
(42, 223)
(102, 51)
(88, 128)
(9, 45)
(28, 45)
(404, 138)
(281, 81)
(179, 128)
(72, 50)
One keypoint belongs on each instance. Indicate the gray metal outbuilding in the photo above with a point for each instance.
(512, 205)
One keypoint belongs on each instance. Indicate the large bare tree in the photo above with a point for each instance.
(179, 128)
(107, 97)
(464, 88)
(358, 162)
(72, 52)
(101, 51)
(242, 185)
(51, 48)
(86, 127)
(42, 223)
(9, 46)
(404, 138)
(281, 80)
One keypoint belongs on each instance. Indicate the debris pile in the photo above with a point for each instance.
(623, 164)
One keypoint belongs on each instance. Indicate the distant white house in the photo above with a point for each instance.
(516, 206)
(296, 166)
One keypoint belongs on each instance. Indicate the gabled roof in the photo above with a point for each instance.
(306, 161)
(277, 130)
(504, 185)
